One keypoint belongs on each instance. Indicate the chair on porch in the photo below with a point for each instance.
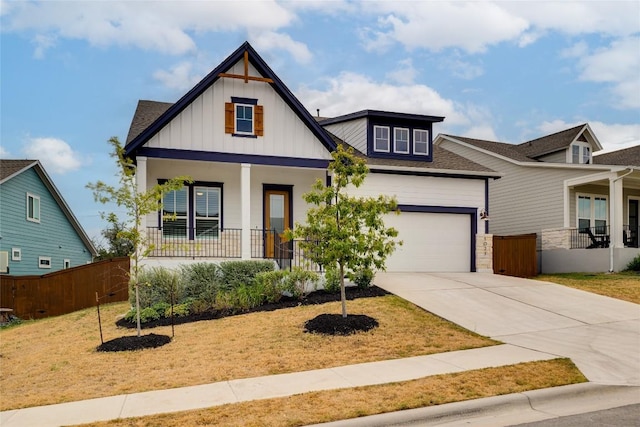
(599, 241)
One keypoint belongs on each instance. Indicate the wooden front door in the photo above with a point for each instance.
(276, 220)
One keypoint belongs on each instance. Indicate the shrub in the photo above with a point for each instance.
(634, 264)
(161, 308)
(300, 282)
(362, 278)
(201, 281)
(236, 273)
(271, 284)
(146, 315)
(332, 280)
(156, 285)
(179, 310)
(198, 306)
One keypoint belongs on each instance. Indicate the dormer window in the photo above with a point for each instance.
(580, 153)
(401, 140)
(381, 142)
(421, 142)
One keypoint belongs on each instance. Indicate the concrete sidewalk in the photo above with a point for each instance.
(207, 395)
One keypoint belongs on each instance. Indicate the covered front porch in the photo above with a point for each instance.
(601, 224)
(230, 211)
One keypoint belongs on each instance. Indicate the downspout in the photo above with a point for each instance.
(613, 190)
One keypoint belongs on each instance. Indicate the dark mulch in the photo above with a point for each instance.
(335, 324)
(129, 343)
(317, 297)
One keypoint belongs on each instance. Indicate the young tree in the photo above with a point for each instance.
(344, 230)
(137, 205)
(116, 245)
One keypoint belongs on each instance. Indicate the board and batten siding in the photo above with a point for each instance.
(526, 199)
(424, 190)
(53, 236)
(229, 175)
(200, 126)
(353, 132)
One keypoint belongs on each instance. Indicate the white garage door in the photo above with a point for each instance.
(432, 242)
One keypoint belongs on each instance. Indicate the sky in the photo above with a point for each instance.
(71, 73)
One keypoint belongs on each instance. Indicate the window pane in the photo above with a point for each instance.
(181, 202)
(382, 139)
(206, 228)
(575, 154)
(244, 118)
(207, 202)
(586, 155)
(421, 142)
(584, 207)
(401, 140)
(276, 211)
(600, 205)
(169, 203)
(175, 228)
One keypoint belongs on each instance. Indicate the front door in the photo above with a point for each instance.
(276, 221)
(633, 222)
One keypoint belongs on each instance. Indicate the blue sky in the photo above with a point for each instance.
(72, 72)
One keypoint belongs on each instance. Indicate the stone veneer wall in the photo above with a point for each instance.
(556, 238)
(484, 253)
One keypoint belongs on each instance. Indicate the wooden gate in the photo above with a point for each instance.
(65, 291)
(515, 255)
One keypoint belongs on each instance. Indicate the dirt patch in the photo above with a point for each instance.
(317, 297)
(130, 343)
(335, 324)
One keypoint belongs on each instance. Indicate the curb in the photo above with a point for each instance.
(529, 406)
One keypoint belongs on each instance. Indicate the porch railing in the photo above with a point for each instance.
(599, 237)
(226, 243)
(267, 244)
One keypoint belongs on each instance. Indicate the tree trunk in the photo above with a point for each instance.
(138, 308)
(343, 293)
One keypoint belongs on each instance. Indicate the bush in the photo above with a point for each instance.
(156, 285)
(201, 281)
(362, 278)
(146, 315)
(271, 284)
(237, 273)
(300, 282)
(179, 310)
(634, 264)
(332, 280)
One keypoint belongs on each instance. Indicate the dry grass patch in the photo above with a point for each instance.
(624, 286)
(325, 406)
(54, 360)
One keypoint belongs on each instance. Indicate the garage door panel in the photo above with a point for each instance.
(432, 242)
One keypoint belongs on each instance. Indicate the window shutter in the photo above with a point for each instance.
(259, 120)
(228, 117)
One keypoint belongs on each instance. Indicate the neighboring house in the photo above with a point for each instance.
(38, 232)
(584, 208)
(253, 150)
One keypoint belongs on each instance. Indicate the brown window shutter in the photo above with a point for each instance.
(228, 117)
(259, 120)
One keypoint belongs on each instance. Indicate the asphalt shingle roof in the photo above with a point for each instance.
(9, 167)
(501, 148)
(625, 157)
(549, 143)
(146, 113)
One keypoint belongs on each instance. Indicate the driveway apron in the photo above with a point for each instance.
(600, 334)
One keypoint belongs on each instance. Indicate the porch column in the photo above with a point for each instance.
(141, 184)
(615, 211)
(245, 208)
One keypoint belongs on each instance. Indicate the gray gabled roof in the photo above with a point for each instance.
(531, 151)
(11, 168)
(624, 157)
(146, 113)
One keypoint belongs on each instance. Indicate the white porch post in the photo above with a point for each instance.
(245, 207)
(141, 184)
(615, 211)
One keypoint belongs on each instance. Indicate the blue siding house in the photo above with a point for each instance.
(38, 232)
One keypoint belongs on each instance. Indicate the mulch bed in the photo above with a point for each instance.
(130, 343)
(323, 324)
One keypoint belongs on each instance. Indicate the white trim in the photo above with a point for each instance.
(592, 207)
(245, 209)
(235, 119)
(66, 263)
(426, 153)
(16, 254)
(44, 262)
(395, 140)
(388, 138)
(33, 218)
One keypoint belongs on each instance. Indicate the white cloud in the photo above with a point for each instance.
(463, 69)
(575, 51)
(160, 26)
(405, 73)
(618, 64)
(179, 77)
(55, 154)
(270, 40)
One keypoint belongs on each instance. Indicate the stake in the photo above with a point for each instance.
(99, 321)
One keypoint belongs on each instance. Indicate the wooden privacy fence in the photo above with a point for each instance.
(65, 291)
(515, 255)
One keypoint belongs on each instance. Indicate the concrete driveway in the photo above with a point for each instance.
(600, 334)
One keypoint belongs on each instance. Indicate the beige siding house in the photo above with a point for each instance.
(584, 208)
